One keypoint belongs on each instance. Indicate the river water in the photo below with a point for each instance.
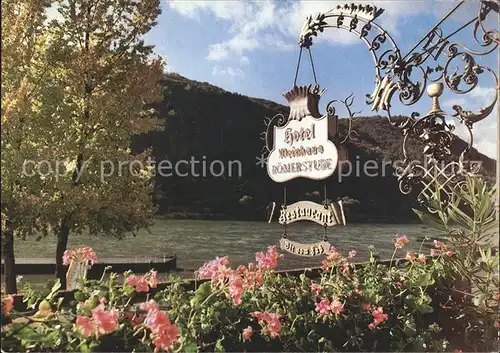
(195, 242)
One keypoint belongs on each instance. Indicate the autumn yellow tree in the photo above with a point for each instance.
(110, 78)
(25, 84)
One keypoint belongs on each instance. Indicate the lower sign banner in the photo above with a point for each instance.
(309, 250)
(309, 211)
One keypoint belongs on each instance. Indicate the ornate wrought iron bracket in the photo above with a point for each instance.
(428, 66)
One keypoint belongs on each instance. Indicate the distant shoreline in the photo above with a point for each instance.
(224, 217)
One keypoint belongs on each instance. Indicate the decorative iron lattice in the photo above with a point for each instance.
(429, 66)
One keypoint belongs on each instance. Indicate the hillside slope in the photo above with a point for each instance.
(206, 123)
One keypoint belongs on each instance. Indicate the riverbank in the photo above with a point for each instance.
(200, 216)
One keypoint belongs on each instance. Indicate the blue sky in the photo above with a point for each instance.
(251, 48)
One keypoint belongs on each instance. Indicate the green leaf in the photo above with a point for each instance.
(191, 347)
(219, 347)
(430, 220)
(54, 290)
(479, 299)
(424, 280)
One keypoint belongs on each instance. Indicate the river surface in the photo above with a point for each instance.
(195, 242)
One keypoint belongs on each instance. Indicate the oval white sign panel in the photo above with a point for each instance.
(302, 150)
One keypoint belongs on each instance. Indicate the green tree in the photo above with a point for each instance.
(109, 79)
(25, 85)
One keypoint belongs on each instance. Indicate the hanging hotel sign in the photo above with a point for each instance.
(309, 211)
(301, 146)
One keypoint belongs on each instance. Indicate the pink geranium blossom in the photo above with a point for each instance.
(367, 306)
(439, 245)
(247, 333)
(79, 254)
(336, 306)
(143, 283)
(268, 260)
(449, 253)
(216, 270)
(85, 325)
(352, 253)
(400, 241)
(410, 255)
(7, 304)
(139, 282)
(252, 276)
(316, 289)
(236, 288)
(421, 258)
(331, 259)
(378, 316)
(102, 321)
(164, 334)
(323, 307)
(106, 320)
(271, 320)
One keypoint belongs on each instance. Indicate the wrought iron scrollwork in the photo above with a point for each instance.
(430, 65)
(347, 103)
(279, 120)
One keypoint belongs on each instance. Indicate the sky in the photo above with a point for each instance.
(250, 47)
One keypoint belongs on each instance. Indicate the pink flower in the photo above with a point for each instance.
(421, 258)
(274, 325)
(236, 289)
(164, 334)
(152, 278)
(496, 324)
(352, 253)
(79, 254)
(268, 260)
(331, 259)
(345, 267)
(7, 304)
(400, 241)
(135, 320)
(106, 320)
(371, 326)
(271, 320)
(439, 245)
(379, 316)
(252, 276)
(323, 307)
(433, 252)
(151, 305)
(357, 291)
(449, 253)
(399, 284)
(215, 269)
(367, 306)
(316, 289)
(336, 306)
(247, 333)
(139, 282)
(85, 325)
(410, 256)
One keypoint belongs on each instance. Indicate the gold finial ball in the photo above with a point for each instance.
(435, 90)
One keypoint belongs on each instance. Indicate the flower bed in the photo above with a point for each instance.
(373, 307)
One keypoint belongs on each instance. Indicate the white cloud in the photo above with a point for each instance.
(244, 60)
(276, 24)
(485, 132)
(228, 72)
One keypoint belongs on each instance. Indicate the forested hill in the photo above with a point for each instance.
(206, 123)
